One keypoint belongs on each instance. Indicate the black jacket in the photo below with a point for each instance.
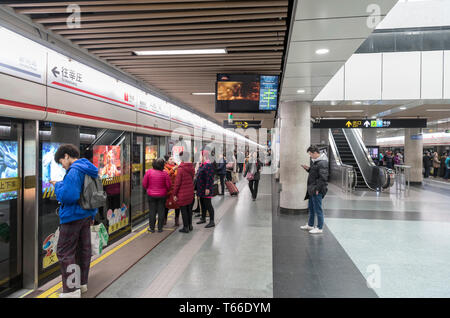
(318, 177)
(258, 168)
(427, 161)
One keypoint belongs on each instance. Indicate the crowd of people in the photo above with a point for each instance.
(436, 166)
(389, 160)
(180, 187)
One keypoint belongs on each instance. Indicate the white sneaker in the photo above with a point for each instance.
(83, 288)
(74, 294)
(316, 231)
(306, 227)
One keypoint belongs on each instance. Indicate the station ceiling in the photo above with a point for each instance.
(253, 32)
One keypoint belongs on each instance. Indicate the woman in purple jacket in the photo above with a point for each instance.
(157, 183)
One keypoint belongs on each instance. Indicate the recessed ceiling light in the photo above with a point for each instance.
(345, 111)
(301, 91)
(322, 51)
(203, 94)
(357, 103)
(402, 108)
(181, 52)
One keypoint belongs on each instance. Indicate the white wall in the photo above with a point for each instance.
(391, 76)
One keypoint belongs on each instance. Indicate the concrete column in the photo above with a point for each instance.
(414, 154)
(315, 136)
(295, 129)
(324, 136)
(369, 137)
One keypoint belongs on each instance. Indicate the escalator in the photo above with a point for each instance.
(347, 157)
(349, 150)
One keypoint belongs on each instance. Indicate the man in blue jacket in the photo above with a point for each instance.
(74, 243)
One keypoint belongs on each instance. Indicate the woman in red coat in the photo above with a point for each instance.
(183, 192)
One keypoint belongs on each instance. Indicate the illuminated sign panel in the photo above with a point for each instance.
(371, 123)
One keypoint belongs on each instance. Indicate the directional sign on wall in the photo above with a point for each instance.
(72, 76)
(242, 124)
(371, 123)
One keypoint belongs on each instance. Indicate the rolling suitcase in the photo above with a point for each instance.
(231, 188)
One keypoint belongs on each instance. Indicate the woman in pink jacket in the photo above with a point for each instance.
(157, 183)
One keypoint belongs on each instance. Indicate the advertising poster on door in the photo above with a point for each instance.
(51, 171)
(151, 153)
(9, 180)
(107, 160)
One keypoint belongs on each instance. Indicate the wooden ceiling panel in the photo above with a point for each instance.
(253, 32)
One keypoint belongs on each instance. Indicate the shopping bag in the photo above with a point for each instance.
(103, 234)
(55, 240)
(99, 238)
(95, 243)
(250, 176)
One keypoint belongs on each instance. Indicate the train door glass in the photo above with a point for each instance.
(137, 191)
(151, 153)
(109, 151)
(10, 206)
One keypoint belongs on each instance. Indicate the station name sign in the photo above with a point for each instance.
(371, 123)
(242, 124)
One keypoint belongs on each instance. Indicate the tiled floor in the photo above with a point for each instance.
(234, 259)
(398, 242)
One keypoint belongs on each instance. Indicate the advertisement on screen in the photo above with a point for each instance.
(8, 170)
(107, 160)
(51, 171)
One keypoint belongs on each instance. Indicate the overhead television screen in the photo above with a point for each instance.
(246, 93)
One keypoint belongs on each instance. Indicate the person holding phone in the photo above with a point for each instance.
(316, 189)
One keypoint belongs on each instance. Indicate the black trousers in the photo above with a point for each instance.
(241, 167)
(207, 206)
(157, 206)
(186, 215)
(253, 185)
(427, 172)
(435, 172)
(229, 178)
(177, 213)
(222, 183)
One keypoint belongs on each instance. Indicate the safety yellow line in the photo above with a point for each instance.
(53, 290)
(29, 292)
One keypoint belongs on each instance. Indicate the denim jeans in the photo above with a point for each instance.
(315, 207)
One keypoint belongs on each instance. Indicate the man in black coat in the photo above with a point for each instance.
(317, 189)
(427, 163)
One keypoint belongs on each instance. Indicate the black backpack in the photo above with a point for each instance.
(92, 194)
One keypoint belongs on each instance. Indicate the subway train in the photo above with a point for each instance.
(47, 99)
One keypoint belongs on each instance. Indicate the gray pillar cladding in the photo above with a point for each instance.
(369, 136)
(295, 130)
(414, 154)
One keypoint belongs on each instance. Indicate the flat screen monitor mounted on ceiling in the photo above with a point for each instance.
(246, 93)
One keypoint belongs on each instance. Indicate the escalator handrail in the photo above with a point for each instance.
(357, 154)
(341, 166)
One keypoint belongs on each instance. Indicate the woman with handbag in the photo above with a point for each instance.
(183, 191)
(205, 186)
(252, 172)
(171, 168)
